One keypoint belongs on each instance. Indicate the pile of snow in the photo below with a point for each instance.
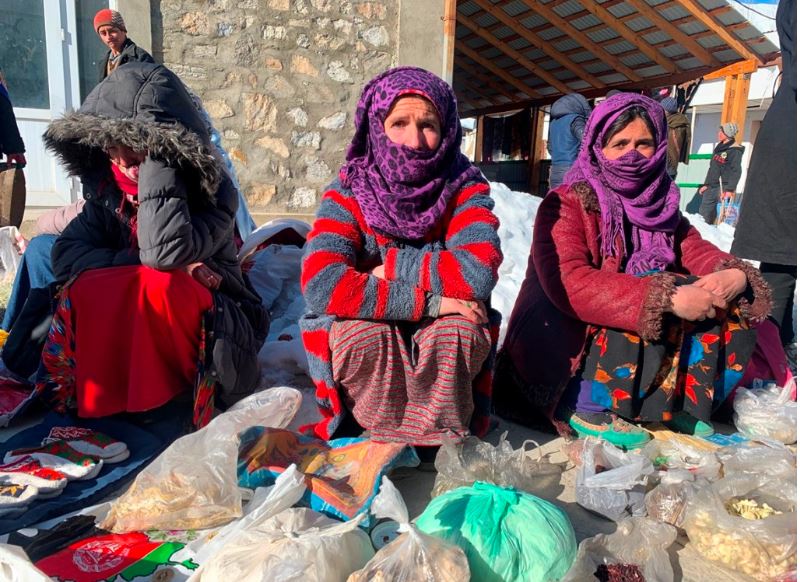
(720, 235)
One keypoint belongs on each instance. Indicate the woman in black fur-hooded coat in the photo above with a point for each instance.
(155, 302)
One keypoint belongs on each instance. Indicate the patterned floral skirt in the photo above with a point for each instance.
(693, 368)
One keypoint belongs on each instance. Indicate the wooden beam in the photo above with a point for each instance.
(632, 37)
(734, 104)
(494, 69)
(479, 139)
(478, 89)
(583, 40)
(536, 41)
(537, 150)
(489, 81)
(740, 67)
(676, 33)
(516, 55)
(703, 16)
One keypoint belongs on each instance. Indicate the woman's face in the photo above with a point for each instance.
(413, 121)
(634, 136)
(126, 160)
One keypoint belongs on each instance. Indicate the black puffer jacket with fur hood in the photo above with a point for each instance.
(187, 206)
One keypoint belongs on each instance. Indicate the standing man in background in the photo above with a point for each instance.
(679, 138)
(725, 168)
(11, 144)
(568, 118)
(767, 227)
(111, 29)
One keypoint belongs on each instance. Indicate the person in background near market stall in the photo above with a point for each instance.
(11, 145)
(567, 120)
(398, 271)
(723, 173)
(111, 29)
(626, 314)
(767, 227)
(149, 264)
(680, 136)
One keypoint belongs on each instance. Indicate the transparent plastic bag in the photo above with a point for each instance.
(638, 541)
(192, 484)
(676, 455)
(297, 545)
(611, 482)
(266, 502)
(767, 413)
(761, 548)
(668, 502)
(414, 556)
(773, 459)
(462, 464)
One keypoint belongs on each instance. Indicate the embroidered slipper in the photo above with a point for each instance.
(685, 423)
(611, 428)
(61, 457)
(29, 471)
(15, 496)
(88, 442)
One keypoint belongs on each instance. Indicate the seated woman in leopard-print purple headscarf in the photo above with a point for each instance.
(398, 271)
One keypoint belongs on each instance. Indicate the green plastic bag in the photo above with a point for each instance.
(507, 535)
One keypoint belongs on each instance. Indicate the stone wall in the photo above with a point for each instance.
(281, 79)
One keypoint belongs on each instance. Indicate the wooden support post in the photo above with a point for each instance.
(537, 150)
(448, 48)
(479, 139)
(734, 104)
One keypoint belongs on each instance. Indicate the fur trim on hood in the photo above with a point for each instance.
(146, 108)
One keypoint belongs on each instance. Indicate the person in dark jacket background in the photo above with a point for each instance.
(149, 264)
(767, 227)
(679, 138)
(568, 118)
(110, 27)
(723, 173)
(11, 144)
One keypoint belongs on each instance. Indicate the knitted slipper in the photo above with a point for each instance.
(617, 431)
(29, 471)
(685, 423)
(14, 496)
(88, 442)
(61, 457)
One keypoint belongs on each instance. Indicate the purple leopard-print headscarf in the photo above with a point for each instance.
(404, 192)
(631, 188)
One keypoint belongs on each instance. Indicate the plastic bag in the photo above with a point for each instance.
(192, 484)
(10, 255)
(461, 464)
(667, 502)
(297, 545)
(675, 455)
(767, 413)
(638, 541)
(611, 482)
(266, 502)
(761, 548)
(772, 459)
(413, 556)
(272, 268)
(507, 535)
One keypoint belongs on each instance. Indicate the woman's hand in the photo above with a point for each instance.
(726, 284)
(695, 303)
(204, 275)
(475, 311)
(703, 189)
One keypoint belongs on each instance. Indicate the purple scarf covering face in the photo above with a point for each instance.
(631, 188)
(404, 192)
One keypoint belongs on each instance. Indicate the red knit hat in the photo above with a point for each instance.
(106, 16)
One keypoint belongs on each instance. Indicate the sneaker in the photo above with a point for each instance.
(608, 427)
(685, 423)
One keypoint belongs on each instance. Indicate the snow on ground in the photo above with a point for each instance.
(276, 276)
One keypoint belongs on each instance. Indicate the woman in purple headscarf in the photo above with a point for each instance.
(626, 313)
(399, 267)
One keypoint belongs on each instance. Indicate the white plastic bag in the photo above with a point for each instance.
(773, 459)
(193, 484)
(414, 556)
(297, 545)
(273, 267)
(461, 464)
(638, 541)
(767, 413)
(675, 455)
(611, 482)
(266, 502)
(10, 256)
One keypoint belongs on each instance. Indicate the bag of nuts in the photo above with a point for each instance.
(761, 548)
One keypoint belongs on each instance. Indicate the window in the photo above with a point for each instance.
(91, 52)
(23, 52)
